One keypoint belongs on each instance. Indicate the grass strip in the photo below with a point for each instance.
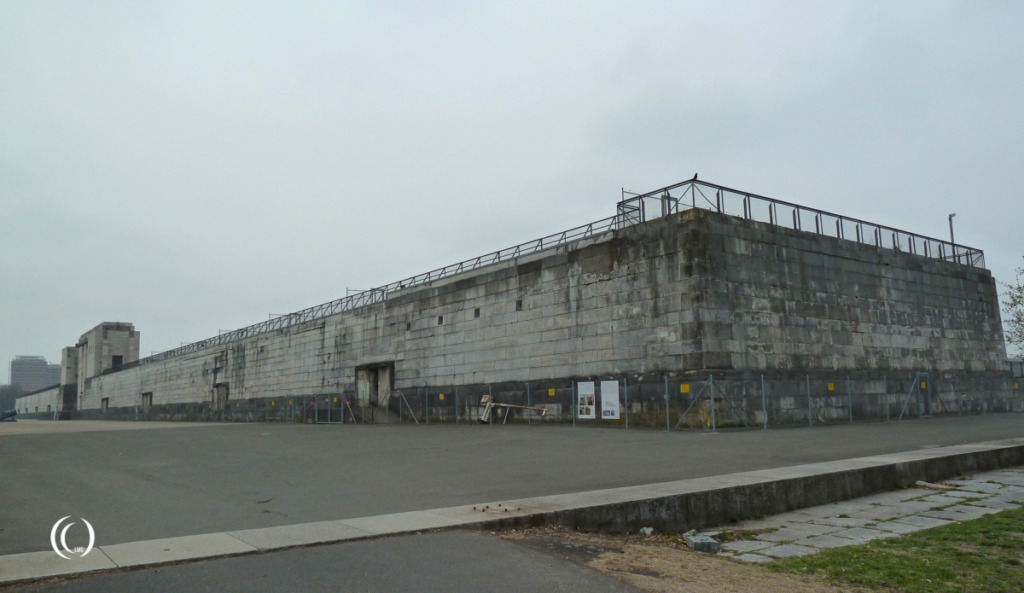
(985, 554)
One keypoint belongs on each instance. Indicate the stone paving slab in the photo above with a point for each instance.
(894, 496)
(940, 500)
(797, 531)
(863, 534)
(976, 485)
(996, 504)
(878, 516)
(745, 545)
(964, 494)
(897, 527)
(789, 551)
(1011, 497)
(959, 513)
(753, 558)
(824, 542)
(915, 506)
(921, 521)
(839, 522)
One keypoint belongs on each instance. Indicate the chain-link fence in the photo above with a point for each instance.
(672, 401)
(710, 403)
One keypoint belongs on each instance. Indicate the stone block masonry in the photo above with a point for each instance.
(685, 296)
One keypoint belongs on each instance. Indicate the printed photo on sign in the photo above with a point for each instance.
(587, 400)
(610, 400)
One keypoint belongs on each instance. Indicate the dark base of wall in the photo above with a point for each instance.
(703, 399)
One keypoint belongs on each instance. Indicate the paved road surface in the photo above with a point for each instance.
(145, 484)
(449, 561)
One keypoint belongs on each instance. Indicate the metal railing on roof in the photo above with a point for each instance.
(631, 210)
(380, 294)
(708, 196)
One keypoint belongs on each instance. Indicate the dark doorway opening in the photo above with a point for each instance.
(220, 396)
(374, 384)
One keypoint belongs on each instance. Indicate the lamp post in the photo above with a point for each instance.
(951, 239)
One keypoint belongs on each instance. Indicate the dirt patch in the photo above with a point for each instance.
(663, 563)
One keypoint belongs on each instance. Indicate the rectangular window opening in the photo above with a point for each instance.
(440, 319)
(519, 304)
(476, 313)
(116, 361)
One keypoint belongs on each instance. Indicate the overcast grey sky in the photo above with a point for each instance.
(193, 166)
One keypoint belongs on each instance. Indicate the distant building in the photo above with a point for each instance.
(32, 373)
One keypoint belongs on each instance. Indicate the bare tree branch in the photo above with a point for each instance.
(1013, 306)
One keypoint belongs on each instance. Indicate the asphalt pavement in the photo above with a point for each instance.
(145, 484)
(448, 561)
(142, 481)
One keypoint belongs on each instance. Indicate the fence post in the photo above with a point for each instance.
(959, 400)
(711, 382)
(529, 419)
(764, 405)
(810, 414)
(573, 402)
(667, 428)
(885, 394)
(456, 404)
(625, 394)
(849, 397)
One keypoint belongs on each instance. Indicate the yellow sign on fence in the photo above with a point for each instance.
(440, 396)
(831, 386)
(551, 392)
(684, 388)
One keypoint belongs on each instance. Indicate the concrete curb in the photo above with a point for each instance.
(668, 506)
(720, 500)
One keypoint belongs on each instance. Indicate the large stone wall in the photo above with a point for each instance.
(779, 299)
(685, 294)
(41, 404)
